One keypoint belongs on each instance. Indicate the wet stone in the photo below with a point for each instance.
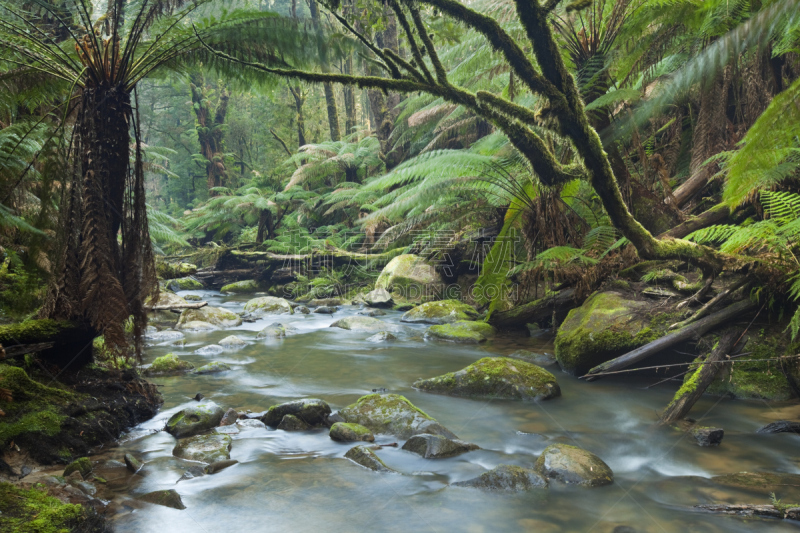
(195, 419)
(204, 448)
(344, 432)
(573, 465)
(707, 436)
(506, 478)
(167, 498)
(82, 466)
(437, 446)
(230, 417)
(219, 466)
(292, 423)
(213, 368)
(366, 457)
(302, 309)
(132, 463)
(232, 341)
(312, 411)
(326, 309)
(211, 349)
(381, 336)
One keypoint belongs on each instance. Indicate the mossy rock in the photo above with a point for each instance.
(195, 419)
(411, 278)
(761, 482)
(367, 324)
(381, 336)
(437, 446)
(441, 312)
(463, 332)
(232, 341)
(165, 336)
(276, 331)
(166, 298)
(392, 414)
(508, 478)
(573, 465)
(175, 270)
(34, 511)
(312, 411)
(605, 326)
(268, 305)
(495, 377)
(204, 448)
(167, 498)
(538, 359)
(216, 316)
(183, 284)
(325, 302)
(248, 286)
(292, 423)
(378, 298)
(366, 457)
(198, 325)
(213, 368)
(167, 365)
(344, 432)
(83, 466)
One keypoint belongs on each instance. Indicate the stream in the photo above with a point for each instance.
(300, 481)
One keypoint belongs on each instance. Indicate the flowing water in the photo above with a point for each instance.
(301, 482)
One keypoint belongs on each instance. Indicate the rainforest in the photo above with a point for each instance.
(399, 265)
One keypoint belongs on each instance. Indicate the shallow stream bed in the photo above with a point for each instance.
(300, 482)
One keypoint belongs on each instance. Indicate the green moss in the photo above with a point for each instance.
(184, 284)
(242, 287)
(82, 465)
(31, 331)
(619, 284)
(169, 364)
(759, 379)
(441, 312)
(33, 511)
(462, 331)
(390, 402)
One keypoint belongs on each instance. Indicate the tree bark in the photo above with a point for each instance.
(330, 96)
(210, 131)
(539, 311)
(700, 379)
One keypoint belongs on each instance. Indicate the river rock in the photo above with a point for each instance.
(372, 312)
(312, 411)
(183, 284)
(381, 336)
(276, 330)
(166, 298)
(204, 448)
(707, 436)
(132, 463)
(302, 309)
(250, 423)
(212, 368)
(84, 486)
(411, 278)
(325, 302)
(441, 312)
(216, 316)
(292, 423)
(232, 341)
(762, 482)
(198, 325)
(248, 286)
(392, 414)
(605, 326)
(168, 365)
(268, 305)
(193, 298)
(538, 359)
(165, 336)
(573, 465)
(326, 310)
(437, 446)
(463, 331)
(175, 270)
(211, 349)
(506, 478)
(366, 457)
(344, 432)
(781, 426)
(82, 466)
(379, 298)
(229, 418)
(219, 466)
(167, 498)
(361, 323)
(495, 377)
(195, 419)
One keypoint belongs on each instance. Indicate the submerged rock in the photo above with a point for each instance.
(365, 323)
(232, 341)
(325, 302)
(211, 349)
(326, 309)
(167, 365)
(132, 463)
(302, 309)
(495, 377)
(441, 312)
(216, 316)
(312, 411)
(781, 426)
(381, 336)
(193, 298)
(506, 478)
(165, 336)
(378, 298)
(392, 414)
(707, 436)
(437, 446)
(373, 312)
(344, 432)
(573, 465)
(219, 466)
(276, 330)
(538, 359)
(605, 326)
(463, 331)
(410, 277)
(167, 498)
(204, 448)
(195, 419)
(763, 482)
(198, 325)
(268, 305)
(292, 423)
(366, 457)
(247, 286)
(212, 368)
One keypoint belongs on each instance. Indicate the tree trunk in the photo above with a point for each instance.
(383, 105)
(299, 100)
(349, 99)
(210, 131)
(330, 96)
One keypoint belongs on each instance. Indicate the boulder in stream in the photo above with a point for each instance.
(219, 466)
(326, 309)
(229, 418)
(325, 302)
(292, 423)
(195, 419)
(83, 466)
(367, 324)
(168, 365)
(167, 498)
(463, 331)
(204, 448)
(705, 436)
(392, 414)
(381, 336)
(198, 325)
(132, 463)
(372, 312)
(366, 457)
(232, 341)
(409, 277)
(761, 482)
(495, 377)
(312, 411)
(573, 465)
(183, 284)
(437, 446)
(210, 349)
(302, 309)
(216, 316)
(276, 330)
(213, 367)
(441, 312)
(165, 336)
(268, 305)
(344, 432)
(535, 358)
(248, 286)
(506, 478)
(379, 298)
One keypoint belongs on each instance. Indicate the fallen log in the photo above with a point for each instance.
(694, 387)
(691, 332)
(781, 426)
(715, 215)
(167, 307)
(538, 312)
(781, 512)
